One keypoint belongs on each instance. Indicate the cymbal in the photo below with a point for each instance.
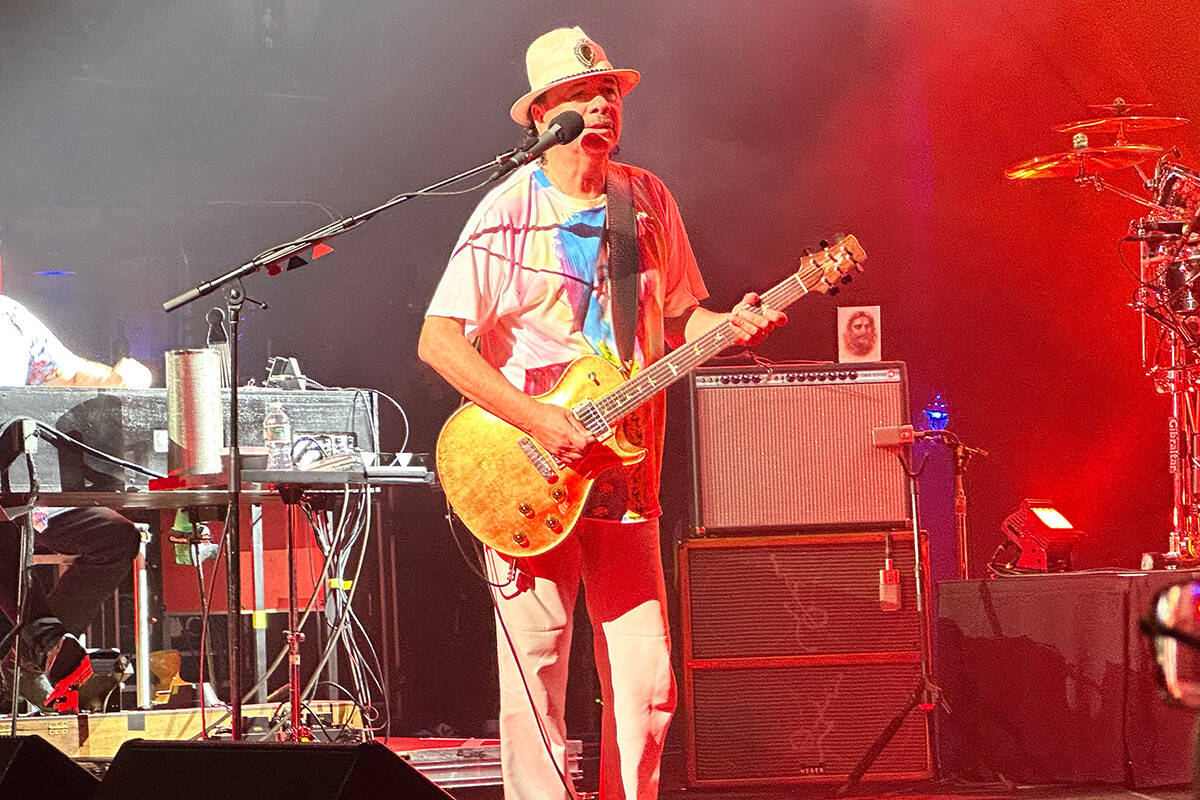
(1082, 162)
(1120, 124)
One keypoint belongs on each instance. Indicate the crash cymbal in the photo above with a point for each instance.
(1082, 162)
(1121, 125)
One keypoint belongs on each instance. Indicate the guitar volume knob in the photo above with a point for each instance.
(558, 493)
(520, 538)
(525, 509)
(552, 523)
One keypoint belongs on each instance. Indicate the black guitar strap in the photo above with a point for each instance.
(623, 260)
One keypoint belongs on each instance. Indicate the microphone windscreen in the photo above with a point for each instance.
(570, 125)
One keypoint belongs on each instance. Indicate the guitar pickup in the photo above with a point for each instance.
(592, 418)
(539, 460)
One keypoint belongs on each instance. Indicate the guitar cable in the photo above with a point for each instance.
(483, 572)
(512, 648)
(478, 572)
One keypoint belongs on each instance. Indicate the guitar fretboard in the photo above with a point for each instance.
(680, 362)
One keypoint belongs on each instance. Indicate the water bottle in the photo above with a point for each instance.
(277, 436)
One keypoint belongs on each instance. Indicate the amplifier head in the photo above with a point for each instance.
(789, 446)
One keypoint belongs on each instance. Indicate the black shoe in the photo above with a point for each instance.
(34, 688)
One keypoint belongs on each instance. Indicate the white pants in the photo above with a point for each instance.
(622, 575)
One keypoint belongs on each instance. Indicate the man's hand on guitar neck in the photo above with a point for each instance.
(752, 322)
(559, 431)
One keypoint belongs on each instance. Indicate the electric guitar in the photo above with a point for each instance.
(516, 497)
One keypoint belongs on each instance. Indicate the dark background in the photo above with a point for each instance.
(147, 145)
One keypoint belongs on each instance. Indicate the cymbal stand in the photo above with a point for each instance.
(1099, 184)
(1170, 358)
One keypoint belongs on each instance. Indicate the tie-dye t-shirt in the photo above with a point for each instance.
(529, 276)
(29, 353)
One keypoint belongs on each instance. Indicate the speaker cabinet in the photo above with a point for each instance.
(791, 669)
(33, 769)
(790, 447)
(144, 770)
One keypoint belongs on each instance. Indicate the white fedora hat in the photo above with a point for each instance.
(561, 56)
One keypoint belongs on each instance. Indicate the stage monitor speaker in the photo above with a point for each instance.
(789, 447)
(791, 668)
(33, 769)
(144, 770)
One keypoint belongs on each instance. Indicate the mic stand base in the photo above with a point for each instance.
(926, 697)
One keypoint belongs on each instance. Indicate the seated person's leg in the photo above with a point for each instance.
(104, 544)
(52, 661)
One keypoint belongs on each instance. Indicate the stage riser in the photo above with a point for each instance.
(100, 736)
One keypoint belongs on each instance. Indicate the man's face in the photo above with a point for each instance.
(860, 335)
(597, 98)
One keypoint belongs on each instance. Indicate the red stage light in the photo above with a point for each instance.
(1040, 539)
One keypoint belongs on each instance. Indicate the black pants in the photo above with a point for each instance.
(104, 544)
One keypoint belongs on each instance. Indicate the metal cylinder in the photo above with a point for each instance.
(194, 422)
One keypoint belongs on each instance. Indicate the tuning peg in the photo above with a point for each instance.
(847, 278)
(806, 252)
(823, 244)
(833, 290)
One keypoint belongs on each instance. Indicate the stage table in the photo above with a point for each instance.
(1048, 679)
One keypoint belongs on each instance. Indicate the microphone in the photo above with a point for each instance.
(216, 327)
(895, 436)
(889, 587)
(564, 128)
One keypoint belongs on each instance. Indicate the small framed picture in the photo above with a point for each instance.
(858, 334)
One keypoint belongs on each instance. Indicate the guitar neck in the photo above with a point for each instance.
(681, 361)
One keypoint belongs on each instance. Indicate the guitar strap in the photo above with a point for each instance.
(623, 260)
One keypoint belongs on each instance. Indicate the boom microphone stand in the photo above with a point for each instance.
(927, 695)
(281, 258)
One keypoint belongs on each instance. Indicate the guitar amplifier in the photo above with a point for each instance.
(790, 668)
(789, 447)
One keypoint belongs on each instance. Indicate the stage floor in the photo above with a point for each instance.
(938, 792)
(922, 791)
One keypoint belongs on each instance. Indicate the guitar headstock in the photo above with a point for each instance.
(835, 264)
